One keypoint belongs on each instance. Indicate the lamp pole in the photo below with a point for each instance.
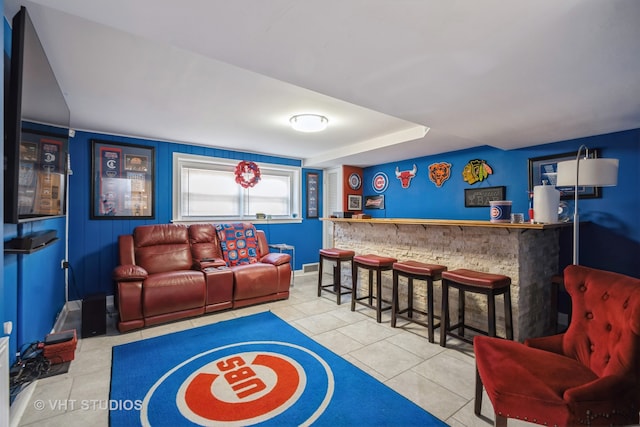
(576, 217)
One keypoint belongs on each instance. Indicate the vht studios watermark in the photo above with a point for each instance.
(87, 405)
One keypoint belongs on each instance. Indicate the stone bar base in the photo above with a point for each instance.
(528, 255)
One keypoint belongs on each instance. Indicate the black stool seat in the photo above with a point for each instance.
(476, 282)
(336, 287)
(371, 262)
(420, 271)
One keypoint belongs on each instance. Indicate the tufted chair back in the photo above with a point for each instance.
(605, 325)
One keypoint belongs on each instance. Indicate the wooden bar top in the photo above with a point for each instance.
(450, 222)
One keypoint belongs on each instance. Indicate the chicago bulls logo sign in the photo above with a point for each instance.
(439, 173)
(405, 176)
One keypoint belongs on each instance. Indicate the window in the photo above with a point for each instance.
(204, 189)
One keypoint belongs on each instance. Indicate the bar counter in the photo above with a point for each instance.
(528, 253)
(450, 222)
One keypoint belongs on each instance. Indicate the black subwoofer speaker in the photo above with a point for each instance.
(94, 315)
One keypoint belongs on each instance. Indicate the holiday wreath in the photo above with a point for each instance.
(247, 174)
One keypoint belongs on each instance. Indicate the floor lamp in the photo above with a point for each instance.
(585, 172)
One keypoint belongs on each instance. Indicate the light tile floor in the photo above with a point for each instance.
(439, 380)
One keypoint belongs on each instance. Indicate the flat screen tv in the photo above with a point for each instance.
(36, 131)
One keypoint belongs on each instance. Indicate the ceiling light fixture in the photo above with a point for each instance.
(309, 122)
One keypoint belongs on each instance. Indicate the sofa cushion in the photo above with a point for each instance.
(239, 243)
(254, 280)
(173, 291)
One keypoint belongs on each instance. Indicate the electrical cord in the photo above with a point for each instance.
(30, 365)
(73, 279)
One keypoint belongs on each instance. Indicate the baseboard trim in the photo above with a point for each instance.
(75, 305)
(19, 405)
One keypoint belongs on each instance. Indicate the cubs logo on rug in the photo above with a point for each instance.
(243, 384)
(254, 370)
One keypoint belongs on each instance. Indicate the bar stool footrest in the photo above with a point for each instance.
(465, 326)
(366, 304)
(331, 289)
(400, 315)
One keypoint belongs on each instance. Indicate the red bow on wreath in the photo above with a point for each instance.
(247, 174)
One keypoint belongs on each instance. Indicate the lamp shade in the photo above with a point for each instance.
(309, 122)
(593, 173)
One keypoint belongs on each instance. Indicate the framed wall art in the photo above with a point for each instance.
(543, 171)
(122, 181)
(374, 202)
(480, 197)
(354, 202)
(312, 195)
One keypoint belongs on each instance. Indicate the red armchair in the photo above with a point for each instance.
(589, 375)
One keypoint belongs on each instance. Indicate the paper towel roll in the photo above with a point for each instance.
(546, 200)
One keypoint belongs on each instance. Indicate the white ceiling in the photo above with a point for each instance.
(396, 78)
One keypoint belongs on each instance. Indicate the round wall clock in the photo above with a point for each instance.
(355, 181)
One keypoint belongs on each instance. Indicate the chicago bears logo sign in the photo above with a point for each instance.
(243, 384)
(439, 173)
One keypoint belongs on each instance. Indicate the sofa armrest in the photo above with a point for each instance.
(551, 343)
(276, 258)
(126, 252)
(201, 264)
(129, 273)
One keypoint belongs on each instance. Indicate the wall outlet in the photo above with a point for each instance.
(8, 327)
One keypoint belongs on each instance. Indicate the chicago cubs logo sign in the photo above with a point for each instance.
(243, 384)
(380, 182)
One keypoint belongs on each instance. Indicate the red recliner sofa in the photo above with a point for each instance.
(172, 271)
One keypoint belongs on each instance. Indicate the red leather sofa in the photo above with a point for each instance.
(171, 271)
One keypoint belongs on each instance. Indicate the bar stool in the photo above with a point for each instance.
(337, 255)
(372, 263)
(420, 271)
(480, 283)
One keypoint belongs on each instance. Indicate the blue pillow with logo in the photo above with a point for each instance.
(239, 243)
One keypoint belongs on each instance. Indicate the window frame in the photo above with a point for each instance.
(181, 160)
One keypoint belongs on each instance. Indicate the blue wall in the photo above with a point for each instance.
(93, 243)
(610, 236)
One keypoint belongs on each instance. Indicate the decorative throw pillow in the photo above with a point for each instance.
(239, 243)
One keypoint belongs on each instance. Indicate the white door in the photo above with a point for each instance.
(332, 202)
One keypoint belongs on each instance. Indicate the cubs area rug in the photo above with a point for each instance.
(255, 370)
